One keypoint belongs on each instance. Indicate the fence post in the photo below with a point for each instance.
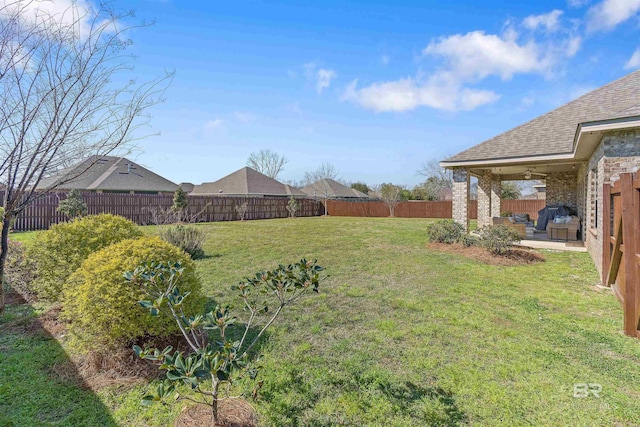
(606, 232)
(629, 240)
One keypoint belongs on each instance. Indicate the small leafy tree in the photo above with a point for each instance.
(292, 207)
(73, 206)
(391, 195)
(224, 360)
(242, 210)
(180, 202)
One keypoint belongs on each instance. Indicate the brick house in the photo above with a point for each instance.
(575, 149)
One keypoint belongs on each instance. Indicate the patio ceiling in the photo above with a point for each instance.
(518, 171)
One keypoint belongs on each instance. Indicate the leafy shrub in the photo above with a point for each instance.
(222, 361)
(506, 214)
(73, 206)
(180, 201)
(445, 231)
(103, 307)
(59, 251)
(19, 270)
(468, 240)
(498, 238)
(187, 237)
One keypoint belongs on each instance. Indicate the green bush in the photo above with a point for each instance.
(59, 251)
(102, 307)
(73, 206)
(468, 240)
(445, 231)
(187, 237)
(498, 238)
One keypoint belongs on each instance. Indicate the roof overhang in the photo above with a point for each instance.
(587, 138)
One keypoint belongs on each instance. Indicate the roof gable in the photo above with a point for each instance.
(108, 173)
(246, 181)
(554, 132)
(332, 189)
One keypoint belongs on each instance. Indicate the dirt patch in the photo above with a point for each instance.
(48, 323)
(93, 370)
(14, 298)
(515, 256)
(232, 413)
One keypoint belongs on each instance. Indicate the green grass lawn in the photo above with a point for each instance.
(399, 335)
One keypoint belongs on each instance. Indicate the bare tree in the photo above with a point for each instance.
(438, 180)
(325, 171)
(267, 162)
(64, 92)
(391, 195)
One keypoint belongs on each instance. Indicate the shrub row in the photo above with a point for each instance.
(81, 265)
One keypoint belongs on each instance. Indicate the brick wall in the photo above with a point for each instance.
(562, 188)
(617, 152)
(461, 196)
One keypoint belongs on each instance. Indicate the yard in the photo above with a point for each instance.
(399, 335)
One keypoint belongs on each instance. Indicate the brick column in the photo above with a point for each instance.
(484, 199)
(496, 195)
(461, 197)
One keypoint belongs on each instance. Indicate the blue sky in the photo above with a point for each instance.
(376, 88)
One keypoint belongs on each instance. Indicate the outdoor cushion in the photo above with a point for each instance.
(521, 217)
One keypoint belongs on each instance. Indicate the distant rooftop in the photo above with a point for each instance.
(246, 182)
(333, 190)
(108, 173)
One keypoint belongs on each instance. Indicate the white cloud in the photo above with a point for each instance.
(577, 3)
(573, 45)
(439, 91)
(477, 55)
(385, 59)
(634, 61)
(77, 14)
(607, 14)
(323, 79)
(467, 60)
(548, 21)
(244, 117)
(212, 124)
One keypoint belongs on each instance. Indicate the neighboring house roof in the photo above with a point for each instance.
(245, 182)
(108, 173)
(332, 190)
(555, 132)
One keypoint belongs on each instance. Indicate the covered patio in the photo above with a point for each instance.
(561, 179)
(576, 149)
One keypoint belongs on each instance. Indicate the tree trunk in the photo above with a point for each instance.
(4, 249)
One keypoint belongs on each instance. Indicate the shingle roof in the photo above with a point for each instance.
(333, 190)
(245, 181)
(554, 132)
(109, 173)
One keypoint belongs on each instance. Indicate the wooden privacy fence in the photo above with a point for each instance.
(621, 246)
(425, 209)
(530, 207)
(139, 208)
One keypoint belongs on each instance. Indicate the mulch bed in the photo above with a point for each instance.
(94, 370)
(231, 413)
(515, 256)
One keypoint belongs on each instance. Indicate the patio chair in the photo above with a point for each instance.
(520, 227)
